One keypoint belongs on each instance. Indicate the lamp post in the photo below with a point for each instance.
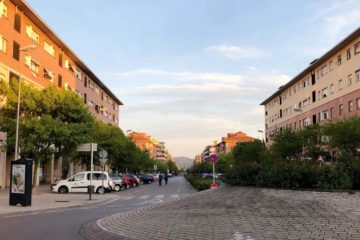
(23, 49)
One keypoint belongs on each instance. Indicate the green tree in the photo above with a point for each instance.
(248, 151)
(288, 144)
(344, 135)
(225, 162)
(48, 117)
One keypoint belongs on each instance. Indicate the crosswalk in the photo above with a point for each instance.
(147, 197)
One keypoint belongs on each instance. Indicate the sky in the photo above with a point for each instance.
(189, 72)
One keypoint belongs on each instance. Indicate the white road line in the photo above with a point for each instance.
(159, 196)
(118, 205)
(174, 195)
(128, 198)
(144, 197)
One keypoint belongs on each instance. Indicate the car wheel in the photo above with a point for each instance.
(100, 190)
(122, 187)
(117, 188)
(134, 184)
(63, 190)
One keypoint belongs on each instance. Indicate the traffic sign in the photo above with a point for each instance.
(213, 158)
(103, 161)
(103, 154)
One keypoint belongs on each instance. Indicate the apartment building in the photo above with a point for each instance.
(156, 149)
(328, 89)
(31, 49)
(229, 142)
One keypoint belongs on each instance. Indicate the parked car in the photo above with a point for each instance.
(80, 182)
(134, 180)
(145, 178)
(118, 180)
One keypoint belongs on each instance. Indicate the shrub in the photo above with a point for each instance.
(200, 183)
(244, 174)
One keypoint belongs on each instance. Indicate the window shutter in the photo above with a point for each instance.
(29, 30)
(28, 61)
(17, 22)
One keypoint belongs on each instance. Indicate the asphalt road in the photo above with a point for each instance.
(66, 223)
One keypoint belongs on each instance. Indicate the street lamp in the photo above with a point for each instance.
(23, 49)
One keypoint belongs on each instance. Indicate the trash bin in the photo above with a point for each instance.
(91, 188)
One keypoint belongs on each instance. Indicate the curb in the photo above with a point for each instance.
(52, 210)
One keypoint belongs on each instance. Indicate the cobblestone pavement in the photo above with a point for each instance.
(237, 213)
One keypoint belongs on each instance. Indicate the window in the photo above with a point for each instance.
(3, 44)
(48, 74)
(348, 54)
(60, 60)
(17, 22)
(79, 177)
(358, 103)
(314, 96)
(97, 90)
(351, 106)
(3, 9)
(85, 98)
(339, 60)
(324, 115)
(78, 74)
(16, 51)
(68, 65)
(323, 70)
(85, 82)
(330, 65)
(32, 34)
(349, 80)
(357, 48)
(325, 92)
(332, 89)
(332, 112)
(341, 109)
(59, 81)
(340, 84)
(32, 64)
(49, 48)
(2, 77)
(357, 74)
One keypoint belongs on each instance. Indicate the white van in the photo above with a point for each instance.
(80, 182)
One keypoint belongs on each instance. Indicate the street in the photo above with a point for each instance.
(65, 224)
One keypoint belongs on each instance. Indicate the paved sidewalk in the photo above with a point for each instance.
(44, 200)
(238, 213)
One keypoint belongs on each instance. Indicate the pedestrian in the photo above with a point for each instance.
(160, 179)
(166, 178)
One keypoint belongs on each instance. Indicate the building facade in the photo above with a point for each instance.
(156, 149)
(328, 89)
(228, 143)
(31, 50)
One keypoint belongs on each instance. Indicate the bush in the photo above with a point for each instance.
(244, 175)
(200, 183)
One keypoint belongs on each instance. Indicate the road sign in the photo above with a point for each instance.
(86, 147)
(213, 158)
(103, 154)
(103, 161)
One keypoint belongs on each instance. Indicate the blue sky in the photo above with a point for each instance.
(189, 72)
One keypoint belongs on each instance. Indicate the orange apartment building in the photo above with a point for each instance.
(51, 62)
(225, 145)
(156, 149)
(328, 89)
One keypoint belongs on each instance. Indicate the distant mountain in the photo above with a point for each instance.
(183, 162)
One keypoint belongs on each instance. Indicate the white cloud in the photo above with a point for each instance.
(335, 24)
(236, 52)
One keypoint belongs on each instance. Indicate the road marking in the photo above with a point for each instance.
(159, 196)
(152, 201)
(116, 205)
(144, 197)
(174, 195)
(128, 198)
(238, 236)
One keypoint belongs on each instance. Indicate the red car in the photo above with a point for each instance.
(130, 181)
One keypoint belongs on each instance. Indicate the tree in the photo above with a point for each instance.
(248, 151)
(172, 166)
(288, 144)
(225, 162)
(49, 117)
(344, 135)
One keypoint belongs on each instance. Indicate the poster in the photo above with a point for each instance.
(18, 179)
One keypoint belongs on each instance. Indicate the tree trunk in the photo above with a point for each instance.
(36, 167)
